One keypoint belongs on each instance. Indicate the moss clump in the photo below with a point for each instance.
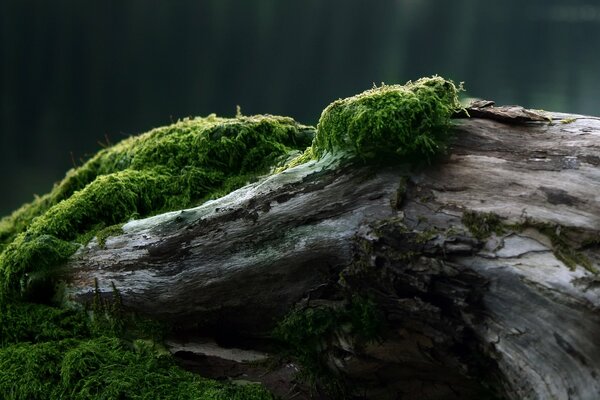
(107, 232)
(52, 353)
(105, 368)
(482, 225)
(307, 335)
(23, 322)
(168, 168)
(410, 121)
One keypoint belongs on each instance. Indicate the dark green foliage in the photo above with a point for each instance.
(409, 122)
(308, 333)
(24, 322)
(52, 353)
(105, 368)
(31, 371)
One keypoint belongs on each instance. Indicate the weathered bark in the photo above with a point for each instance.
(514, 305)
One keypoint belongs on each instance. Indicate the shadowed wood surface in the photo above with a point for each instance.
(514, 306)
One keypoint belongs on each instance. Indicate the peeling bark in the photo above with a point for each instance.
(515, 308)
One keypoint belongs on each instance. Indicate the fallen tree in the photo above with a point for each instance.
(475, 276)
(489, 258)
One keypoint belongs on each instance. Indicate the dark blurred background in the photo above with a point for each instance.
(74, 74)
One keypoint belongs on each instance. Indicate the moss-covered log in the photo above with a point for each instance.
(377, 275)
(483, 267)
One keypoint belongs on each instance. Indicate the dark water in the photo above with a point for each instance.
(75, 73)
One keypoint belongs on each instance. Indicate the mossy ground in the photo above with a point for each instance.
(482, 225)
(50, 353)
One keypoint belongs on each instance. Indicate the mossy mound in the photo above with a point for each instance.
(52, 353)
(168, 168)
(409, 122)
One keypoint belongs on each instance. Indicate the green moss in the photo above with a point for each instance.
(404, 122)
(482, 225)
(165, 169)
(308, 333)
(304, 157)
(52, 353)
(25, 322)
(48, 353)
(425, 236)
(105, 368)
(409, 121)
(398, 199)
(105, 233)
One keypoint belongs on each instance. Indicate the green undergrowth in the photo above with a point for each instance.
(105, 368)
(168, 168)
(307, 334)
(101, 353)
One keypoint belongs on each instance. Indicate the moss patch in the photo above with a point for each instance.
(482, 225)
(52, 353)
(400, 122)
(23, 322)
(409, 121)
(165, 169)
(105, 368)
(308, 333)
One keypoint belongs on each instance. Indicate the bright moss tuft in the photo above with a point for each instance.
(168, 168)
(409, 121)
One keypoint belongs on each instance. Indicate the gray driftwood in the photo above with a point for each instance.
(515, 308)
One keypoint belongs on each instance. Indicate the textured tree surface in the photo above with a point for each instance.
(483, 265)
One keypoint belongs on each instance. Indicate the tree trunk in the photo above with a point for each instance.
(483, 265)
